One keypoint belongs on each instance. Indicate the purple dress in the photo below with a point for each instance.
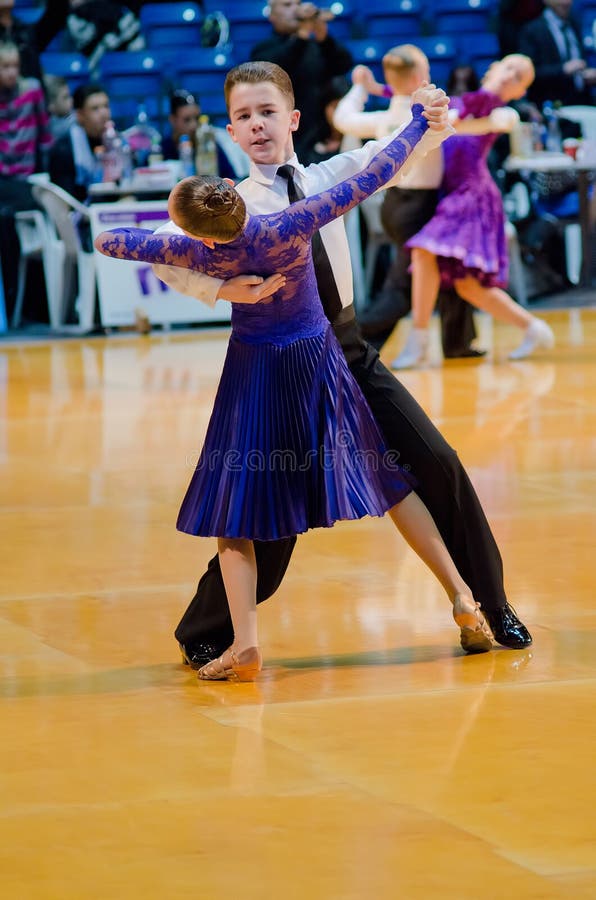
(291, 443)
(467, 231)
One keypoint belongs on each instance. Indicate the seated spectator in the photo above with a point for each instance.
(461, 80)
(32, 40)
(184, 120)
(95, 26)
(554, 44)
(24, 130)
(59, 101)
(72, 161)
(301, 44)
(24, 137)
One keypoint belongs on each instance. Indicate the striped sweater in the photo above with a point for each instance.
(24, 128)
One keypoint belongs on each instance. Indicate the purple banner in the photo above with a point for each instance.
(132, 217)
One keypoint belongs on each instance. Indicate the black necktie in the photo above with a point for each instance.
(324, 273)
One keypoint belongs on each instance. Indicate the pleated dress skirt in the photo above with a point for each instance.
(291, 445)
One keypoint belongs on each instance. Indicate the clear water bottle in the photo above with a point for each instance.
(552, 141)
(206, 149)
(156, 155)
(186, 156)
(113, 158)
(97, 176)
(142, 137)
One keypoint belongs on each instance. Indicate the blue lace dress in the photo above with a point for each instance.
(291, 443)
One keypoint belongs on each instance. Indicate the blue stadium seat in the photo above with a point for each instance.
(249, 33)
(457, 16)
(437, 48)
(368, 52)
(398, 21)
(442, 55)
(164, 15)
(178, 38)
(391, 7)
(202, 83)
(474, 47)
(136, 73)
(207, 59)
(203, 74)
(171, 24)
(72, 66)
(239, 10)
(28, 14)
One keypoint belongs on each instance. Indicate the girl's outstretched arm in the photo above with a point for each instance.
(145, 246)
(310, 214)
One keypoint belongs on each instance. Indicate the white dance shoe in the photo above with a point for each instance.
(537, 334)
(415, 351)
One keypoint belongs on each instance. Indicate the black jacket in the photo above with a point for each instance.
(61, 167)
(551, 83)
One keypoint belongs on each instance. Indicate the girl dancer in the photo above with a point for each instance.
(291, 443)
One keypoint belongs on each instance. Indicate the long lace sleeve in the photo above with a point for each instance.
(145, 246)
(308, 215)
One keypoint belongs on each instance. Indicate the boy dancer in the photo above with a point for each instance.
(408, 205)
(260, 124)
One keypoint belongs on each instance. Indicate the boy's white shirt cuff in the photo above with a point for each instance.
(428, 143)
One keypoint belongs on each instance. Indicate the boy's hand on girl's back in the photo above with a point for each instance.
(250, 288)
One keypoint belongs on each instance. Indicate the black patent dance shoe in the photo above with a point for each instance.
(508, 630)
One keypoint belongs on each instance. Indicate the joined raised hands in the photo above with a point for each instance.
(250, 288)
(435, 102)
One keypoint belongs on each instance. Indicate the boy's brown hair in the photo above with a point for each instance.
(257, 73)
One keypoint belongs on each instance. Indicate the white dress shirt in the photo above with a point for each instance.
(265, 192)
(350, 118)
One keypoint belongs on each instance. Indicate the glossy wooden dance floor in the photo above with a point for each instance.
(372, 759)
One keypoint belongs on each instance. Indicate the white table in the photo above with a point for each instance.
(586, 172)
(124, 287)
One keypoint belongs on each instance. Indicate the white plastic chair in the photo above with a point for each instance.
(38, 240)
(64, 211)
(585, 116)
